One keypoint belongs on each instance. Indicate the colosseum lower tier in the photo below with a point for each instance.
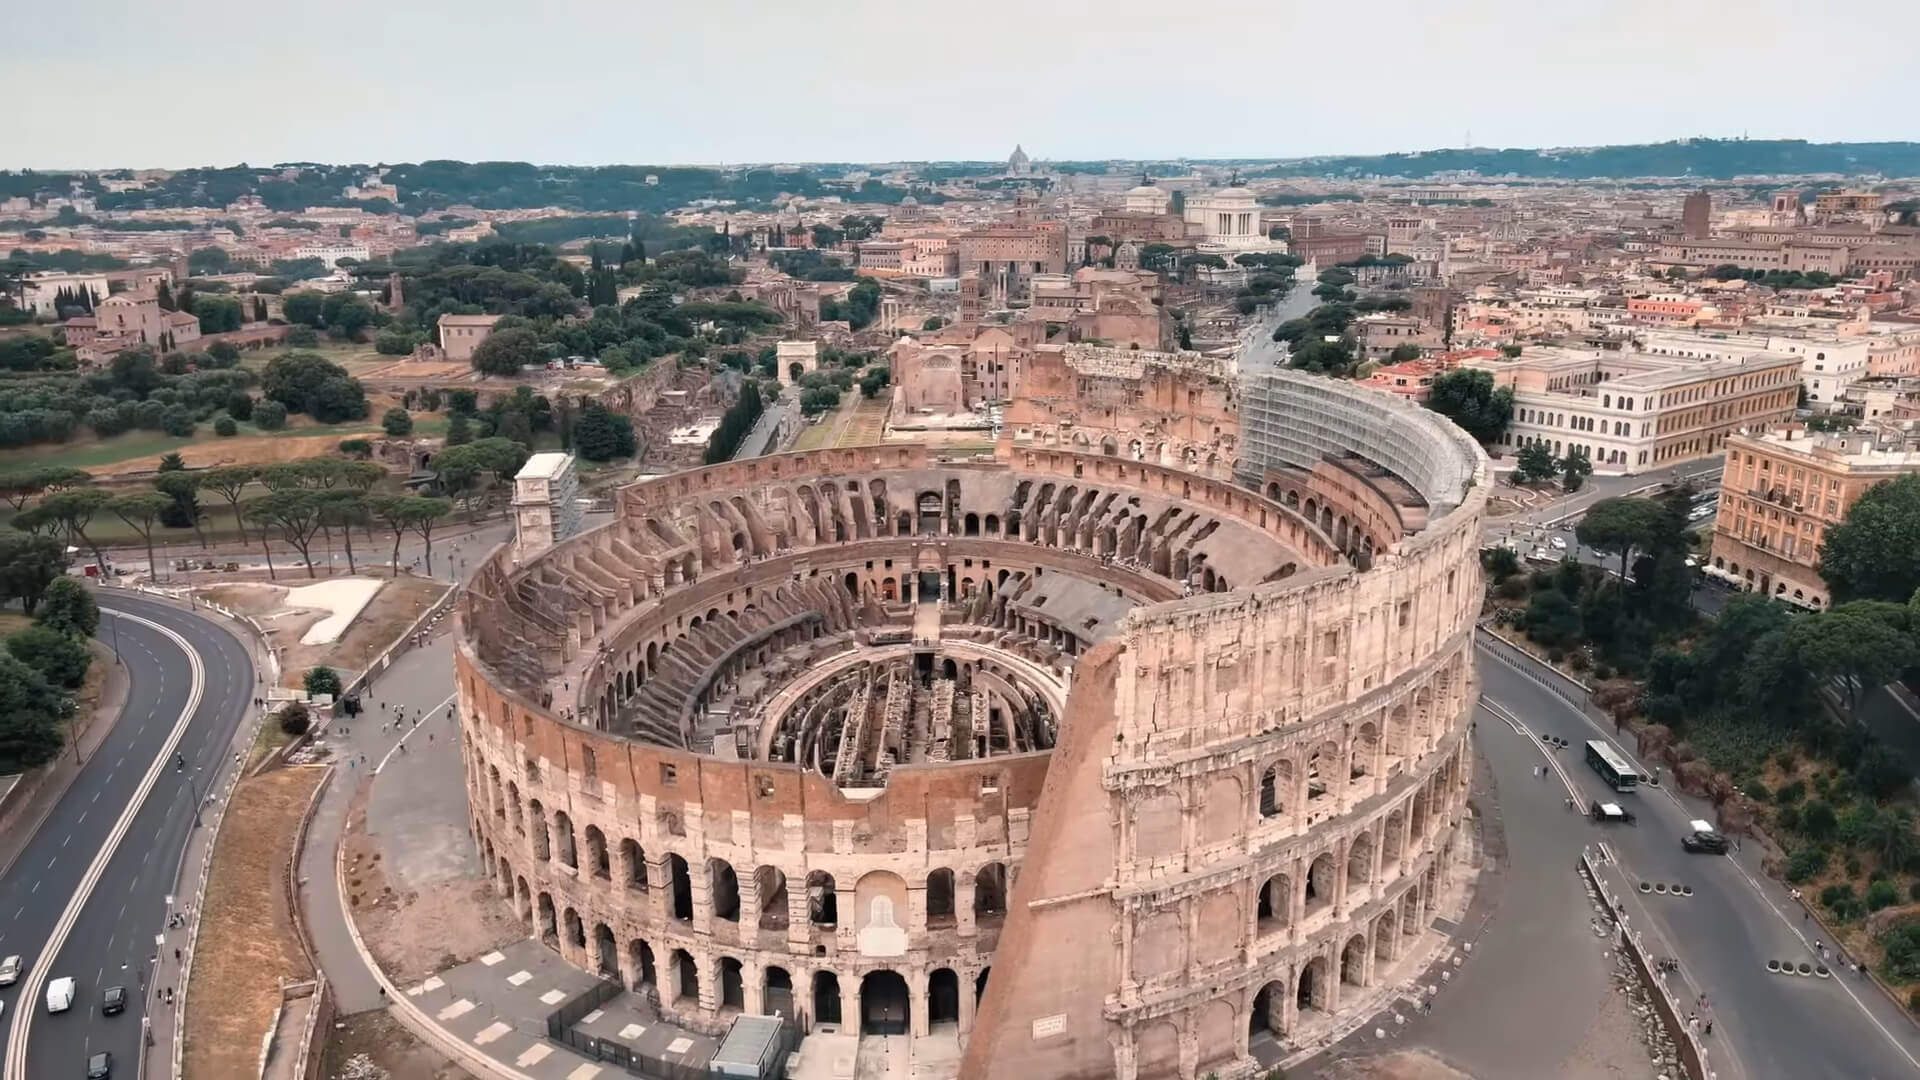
(1082, 766)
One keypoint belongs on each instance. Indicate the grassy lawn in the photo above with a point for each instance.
(93, 453)
(357, 359)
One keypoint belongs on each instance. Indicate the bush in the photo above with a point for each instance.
(1853, 866)
(397, 423)
(1840, 900)
(1902, 950)
(359, 448)
(394, 343)
(1806, 864)
(61, 659)
(1603, 671)
(1817, 820)
(294, 719)
(1913, 1000)
(1514, 588)
(225, 427)
(1881, 894)
(303, 337)
(1787, 817)
(1790, 792)
(1556, 654)
(68, 607)
(1578, 661)
(323, 680)
(270, 416)
(1913, 892)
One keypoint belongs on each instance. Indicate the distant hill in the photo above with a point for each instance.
(1709, 159)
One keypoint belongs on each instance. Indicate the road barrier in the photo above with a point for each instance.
(1693, 1056)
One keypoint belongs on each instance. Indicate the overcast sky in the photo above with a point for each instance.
(670, 81)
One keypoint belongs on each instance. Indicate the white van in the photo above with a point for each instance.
(60, 994)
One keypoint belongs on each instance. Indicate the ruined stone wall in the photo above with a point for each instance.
(1279, 776)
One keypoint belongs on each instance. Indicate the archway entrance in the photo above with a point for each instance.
(1265, 1021)
(943, 997)
(883, 1004)
(826, 998)
(778, 998)
(928, 588)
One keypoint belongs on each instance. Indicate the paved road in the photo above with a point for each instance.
(113, 937)
(1764, 1025)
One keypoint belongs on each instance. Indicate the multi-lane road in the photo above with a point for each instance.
(1765, 1025)
(87, 896)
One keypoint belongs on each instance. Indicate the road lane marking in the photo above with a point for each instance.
(15, 1067)
(425, 718)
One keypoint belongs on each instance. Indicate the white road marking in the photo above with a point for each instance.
(408, 734)
(492, 958)
(17, 1034)
(456, 1010)
(535, 1054)
(490, 1033)
(586, 1072)
(553, 997)
(632, 1032)
(519, 978)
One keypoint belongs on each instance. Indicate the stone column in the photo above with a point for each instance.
(917, 909)
(966, 977)
(749, 907)
(709, 984)
(659, 891)
(917, 1003)
(963, 923)
(753, 985)
(1297, 901)
(799, 917)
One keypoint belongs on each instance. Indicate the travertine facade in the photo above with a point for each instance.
(830, 734)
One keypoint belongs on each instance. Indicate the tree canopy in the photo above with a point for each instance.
(1874, 553)
(1468, 398)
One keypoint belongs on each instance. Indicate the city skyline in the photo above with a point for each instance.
(1215, 83)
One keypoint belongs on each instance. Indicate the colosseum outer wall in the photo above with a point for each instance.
(1253, 805)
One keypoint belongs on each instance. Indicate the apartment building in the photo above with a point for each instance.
(1783, 489)
(1632, 412)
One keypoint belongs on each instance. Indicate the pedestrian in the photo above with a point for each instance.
(403, 747)
(429, 736)
(176, 955)
(1708, 1030)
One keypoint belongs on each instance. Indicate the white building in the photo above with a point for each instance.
(331, 254)
(1227, 221)
(40, 292)
(546, 503)
(1829, 365)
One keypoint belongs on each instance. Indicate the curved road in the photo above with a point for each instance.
(109, 937)
(1765, 1025)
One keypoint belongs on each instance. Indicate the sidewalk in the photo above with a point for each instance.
(38, 792)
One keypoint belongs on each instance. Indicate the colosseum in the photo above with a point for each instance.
(1075, 765)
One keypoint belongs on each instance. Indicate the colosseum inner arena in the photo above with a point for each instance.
(1061, 764)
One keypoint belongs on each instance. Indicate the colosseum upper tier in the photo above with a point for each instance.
(839, 735)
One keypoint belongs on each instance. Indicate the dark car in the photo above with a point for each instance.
(1705, 843)
(100, 1066)
(113, 1001)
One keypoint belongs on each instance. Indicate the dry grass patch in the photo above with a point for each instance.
(376, 1038)
(398, 605)
(248, 948)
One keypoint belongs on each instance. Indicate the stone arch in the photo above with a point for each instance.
(1393, 835)
(733, 984)
(723, 890)
(513, 808)
(776, 992)
(640, 962)
(523, 902)
(1274, 911)
(680, 885)
(606, 951)
(1317, 890)
(576, 930)
(1276, 788)
(1312, 989)
(943, 997)
(1360, 860)
(1322, 762)
(1385, 941)
(633, 863)
(1353, 961)
(823, 903)
(940, 896)
(542, 843)
(1267, 1015)
(770, 884)
(990, 891)
(598, 862)
(885, 1003)
(826, 998)
(1366, 744)
(686, 979)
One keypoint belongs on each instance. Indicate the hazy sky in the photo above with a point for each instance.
(668, 81)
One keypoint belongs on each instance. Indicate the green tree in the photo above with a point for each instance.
(30, 714)
(229, 481)
(1620, 525)
(304, 308)
(183, 502)
(270, 416)
(1534, 463)
(61, 658)
(1468, 398)
(293, 514)
(505, 352)
(1891, 838)
(409, 513)
(1574, 469)
(1552, 619)
(74, 509)
(345, 314)
(141, 511)
(28, 565)
(1856, 647)
(225, 427)
(459, 430)
(602, 435)
(1872, 554)
(322, 680)
(209, 260)
(69, 608)
(343, 509)
(398, 423)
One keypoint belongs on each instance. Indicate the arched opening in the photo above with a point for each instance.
(823, 904)
(883, 1003)
(776, 999)
(1360, 861)
(852, 582)
(1320, 885)
(597, 860)
(606, 951)
(1266, 1022)
(733, 990)
(1384, 939)
(635, 863)
(940, 911)
(681, 882)
(826, 997)
(1353, 961)
(971, 524)
(686, 979)
(724, 887)
(930, 507)
(795, 371)
(549, 922)
(943, 997)
(771, 885)
(990, 892)
(1275, 785)
(537, 817)
(1311, 991)
(640, 959)
(980, 985)
(1276, 905)
(523, 902)
(576, 930)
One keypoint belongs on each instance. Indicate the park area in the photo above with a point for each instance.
(249, 948)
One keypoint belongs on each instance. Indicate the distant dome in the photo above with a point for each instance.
(909, 201)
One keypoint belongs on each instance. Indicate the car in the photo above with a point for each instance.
(1558, 543)
(9, 971)
(100, 1066)
(113, 1001)
(1705, 843)
(60, 994)
(1610, 813)
(1541, 554)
